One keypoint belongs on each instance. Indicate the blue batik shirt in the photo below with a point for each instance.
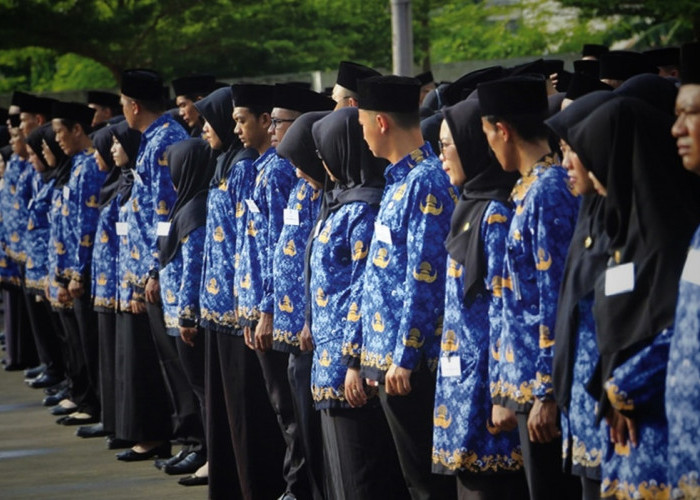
(462, 438)
(224, 211)
(124, 291)
(536, 248)
(288, 264)
(338, 262)
(104, 259)
(683, 383)
(56, 248)
(152, 197)
(403, 297)
(18, 215)
(179, 283)
(9, 271)
(37, 238)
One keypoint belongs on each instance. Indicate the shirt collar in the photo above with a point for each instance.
(400, 169)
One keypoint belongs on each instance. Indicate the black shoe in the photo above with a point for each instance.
(15, 367)
(188, 465)
(134, 456)
(193, 481)
(54, 399)
(91, 431)
(63, 386)
(114, 443)
(71, 420)
(62, 410)
(44, 380)
(34, 372)
(180, 455)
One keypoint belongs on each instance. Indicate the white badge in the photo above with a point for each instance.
(691, 270)
(30, 204)
(137, 177)
(291, 217)
(450, 366)
(318, 229)
(619, 279)
(66, 192)
(163, 228)
(252, 206)
(122, 228)
(383, 233)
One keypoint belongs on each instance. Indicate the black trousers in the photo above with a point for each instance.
(192, 360)
(19, 342)
(43, 323)
(362, 463)
(543, 467)
(590, 489)
(410, 419)
(506, 486)
(86, 320)
(143, 407)
(81, 393)
(107, 328)
(186, 419)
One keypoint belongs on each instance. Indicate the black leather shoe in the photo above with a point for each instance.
(62, 410)
(34, 372)
(54, 399)
(15, 367)
(172, 460)
(134, 456)
(188, 465)
(91, 431)
(45, 380)
(71, 420)
(193, 481)
(114, 443)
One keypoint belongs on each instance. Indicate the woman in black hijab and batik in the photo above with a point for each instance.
(486, 460)
(576, 352)
(651, 210)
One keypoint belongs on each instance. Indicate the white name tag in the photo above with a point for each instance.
(122, 228)
(66, 192)
(30, 204)
(137, 177)
(291, 217)
(691, 270)
(619, 279)
(163, 228)
(318, 229)
(450, 366)
(252, 206)
(383, 233)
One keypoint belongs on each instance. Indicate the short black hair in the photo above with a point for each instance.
(69, 124)
(530, 127)
(258, 110)
(151, 105)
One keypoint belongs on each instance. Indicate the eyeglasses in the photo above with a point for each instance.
(275, 122)
(442, 146)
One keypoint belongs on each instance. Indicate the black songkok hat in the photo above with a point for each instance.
(349, 73)
(252, 95)
(103, 98)
(21, 99)
(465, 85)
(194, 85)
(623, 64)
(690, 63)
(73, 111)
(589, 66)
(582, 84)
(594, 50)
(300, 99)
(553, 66)
(536, 67)
(665, 56)
(142, 84)
(425, 78)
(397, 94)
(515, 95)
(14, 120)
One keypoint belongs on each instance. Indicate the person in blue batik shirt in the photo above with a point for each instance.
(291, 305)
(188, 91)
(181, 256)
(683, 378)
(538, 238)
(79, 213)
(487, 463)
(650, 215)
(576, 354)
(403, 297)
(356, 440)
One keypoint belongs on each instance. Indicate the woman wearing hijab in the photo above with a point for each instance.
(487, 461)
(576, 354)
(113, 194)
(216, 299)
(651, 209)
(355, 435)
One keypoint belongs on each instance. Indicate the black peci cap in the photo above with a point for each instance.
(143, 84)
(665, 56)
(425, 78)
(100, 98)
(397, 94)
(252, 95)
(594, 50)
(300, 99)
(623, 64)
(466, 84)
(589, 66)
(73, 111)
(515, 95)
(194, 85)
(690, 63)
(582, 84)
(349, 73)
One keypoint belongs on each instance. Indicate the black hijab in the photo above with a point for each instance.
(34, 140)
(656, 90)
(298, 146)
(191, 173)
(651, 211)
(130, 141)
(102, 142)
(486, 182)
(587, 256)
(61, 172)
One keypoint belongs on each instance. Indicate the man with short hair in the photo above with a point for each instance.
(188, 90)
(513, 112)
(403, 295)
(34, 111)
(106, 105)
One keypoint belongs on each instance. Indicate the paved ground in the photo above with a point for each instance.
(42, 460)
